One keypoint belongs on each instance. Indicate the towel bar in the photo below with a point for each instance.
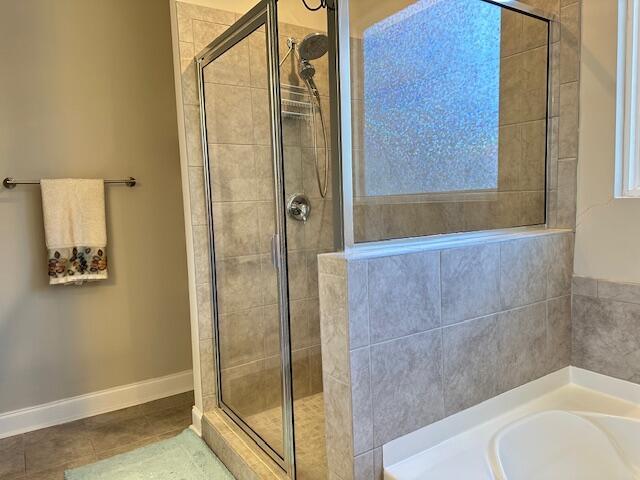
(12, 182)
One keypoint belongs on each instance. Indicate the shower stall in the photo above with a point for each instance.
(264, 105)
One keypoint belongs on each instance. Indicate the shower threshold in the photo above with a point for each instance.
(244, 458)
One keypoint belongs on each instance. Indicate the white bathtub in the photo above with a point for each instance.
(558, 444)
(571, 425)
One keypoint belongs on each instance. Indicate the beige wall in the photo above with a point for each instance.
(87, 91)
(607, 228)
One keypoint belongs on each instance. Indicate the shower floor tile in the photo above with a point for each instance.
(309, 431)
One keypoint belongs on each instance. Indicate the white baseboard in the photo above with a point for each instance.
(82, 406)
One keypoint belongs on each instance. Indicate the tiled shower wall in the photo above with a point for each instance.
(195, 25)
(522, 119)
(606, 327)
(243, 189)
(412, 338)
(520, 196)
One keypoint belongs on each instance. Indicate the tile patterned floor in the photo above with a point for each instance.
(309, 431)
(45, 454)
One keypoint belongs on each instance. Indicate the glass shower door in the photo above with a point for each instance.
(238, 89)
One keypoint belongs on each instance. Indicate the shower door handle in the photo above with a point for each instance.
(275, 251)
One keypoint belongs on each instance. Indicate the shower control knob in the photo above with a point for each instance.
(299, 207)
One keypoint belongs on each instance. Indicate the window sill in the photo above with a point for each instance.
(440, 242)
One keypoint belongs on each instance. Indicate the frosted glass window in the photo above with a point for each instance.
(449, 117)
(431, 99)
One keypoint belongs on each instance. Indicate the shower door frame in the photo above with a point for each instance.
(262, 14)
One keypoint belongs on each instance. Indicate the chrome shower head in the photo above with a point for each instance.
(307, 70)
(313, 46)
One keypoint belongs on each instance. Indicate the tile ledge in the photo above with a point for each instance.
(442, 242)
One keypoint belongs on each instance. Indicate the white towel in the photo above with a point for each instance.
(75, 229)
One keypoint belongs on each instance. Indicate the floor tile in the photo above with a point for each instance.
(115, 417)
(183, 399)
(112, 435)
(170, 419)
(56, 446)
(46, 453)
(15, 443)
(11, 463)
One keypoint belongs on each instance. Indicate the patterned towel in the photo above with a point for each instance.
(75, 230)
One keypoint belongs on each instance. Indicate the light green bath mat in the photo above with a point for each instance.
(185, 457)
